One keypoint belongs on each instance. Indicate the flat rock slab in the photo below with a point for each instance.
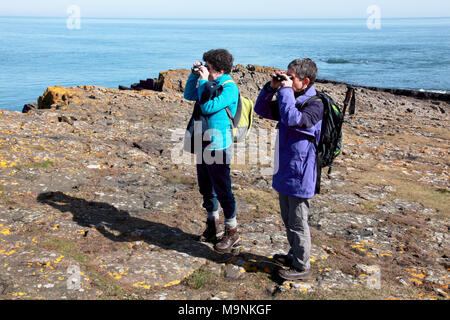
(150, 269)
(43, 274)
(340, 223)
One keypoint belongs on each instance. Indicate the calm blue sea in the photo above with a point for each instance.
(36, 53)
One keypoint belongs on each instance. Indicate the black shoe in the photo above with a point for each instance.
(295, 274)
(282, 260)
(213, 231)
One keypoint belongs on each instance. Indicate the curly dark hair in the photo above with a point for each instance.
(220, 59)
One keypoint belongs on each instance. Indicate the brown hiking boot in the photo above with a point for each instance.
(212, 232)
(230, 238)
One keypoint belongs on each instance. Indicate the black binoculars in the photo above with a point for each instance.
(196, 69)
(281, 78)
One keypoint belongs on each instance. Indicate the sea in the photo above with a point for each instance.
(36, 53)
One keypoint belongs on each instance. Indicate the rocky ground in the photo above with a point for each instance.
(94, 204)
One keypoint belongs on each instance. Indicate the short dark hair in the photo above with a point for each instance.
(305, 68)
(220, 59)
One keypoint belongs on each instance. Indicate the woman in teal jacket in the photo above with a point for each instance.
(214, 176)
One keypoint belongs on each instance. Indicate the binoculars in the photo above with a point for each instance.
(281, 78)
(196, 69)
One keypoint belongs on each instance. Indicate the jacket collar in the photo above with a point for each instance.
(223, 78)
(309, 93)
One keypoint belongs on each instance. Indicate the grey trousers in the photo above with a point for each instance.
(294, 212)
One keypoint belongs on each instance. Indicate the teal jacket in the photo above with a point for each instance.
(218, 121)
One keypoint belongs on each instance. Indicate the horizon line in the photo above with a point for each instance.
(225, 18)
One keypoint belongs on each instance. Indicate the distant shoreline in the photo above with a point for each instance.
(229, 19)
(415, 93)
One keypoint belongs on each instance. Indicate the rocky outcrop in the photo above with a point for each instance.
(173, 80)
(54, 95)
(57, 97)
(250, 80)
(29, 106)
(93, 205)
(170, 80)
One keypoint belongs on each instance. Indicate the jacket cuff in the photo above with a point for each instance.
(268, 88)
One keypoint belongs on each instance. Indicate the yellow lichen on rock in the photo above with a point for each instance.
(56, 95)
(4, 230)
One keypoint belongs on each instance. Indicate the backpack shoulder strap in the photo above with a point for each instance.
(316, 97)
(228, 81)
(233, 121)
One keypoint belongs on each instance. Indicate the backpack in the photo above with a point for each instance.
(241, 123)
(194, 135)
(330, 143)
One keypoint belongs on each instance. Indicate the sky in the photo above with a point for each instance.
(256, 9)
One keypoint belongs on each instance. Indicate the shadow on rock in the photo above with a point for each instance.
(119, 225)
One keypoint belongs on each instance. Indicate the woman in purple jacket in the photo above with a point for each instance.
(295, 158)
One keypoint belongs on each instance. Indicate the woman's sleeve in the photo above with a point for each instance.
(265, 107)
(190, 90)
(229, 96)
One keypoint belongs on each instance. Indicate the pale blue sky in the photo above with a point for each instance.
(227, 8)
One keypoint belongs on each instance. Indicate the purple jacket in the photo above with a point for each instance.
(295, 156)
